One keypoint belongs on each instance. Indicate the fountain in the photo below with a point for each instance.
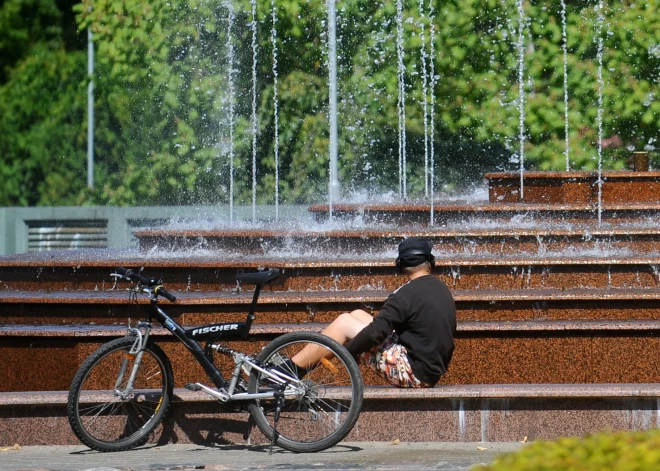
(555, 276)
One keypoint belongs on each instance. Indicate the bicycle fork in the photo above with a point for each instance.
(135, 353)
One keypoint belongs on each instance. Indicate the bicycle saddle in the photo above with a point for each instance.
(260, 277)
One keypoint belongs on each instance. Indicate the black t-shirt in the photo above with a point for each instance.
(423, 314)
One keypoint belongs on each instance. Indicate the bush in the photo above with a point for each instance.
(622, 451)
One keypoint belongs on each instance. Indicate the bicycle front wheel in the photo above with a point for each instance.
(103, 414)
(329, 407)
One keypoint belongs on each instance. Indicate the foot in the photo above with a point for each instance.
(286, 366)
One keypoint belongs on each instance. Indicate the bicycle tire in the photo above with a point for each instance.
(330, 407)
(99, 417)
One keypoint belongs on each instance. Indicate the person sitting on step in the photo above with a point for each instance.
(410, 342)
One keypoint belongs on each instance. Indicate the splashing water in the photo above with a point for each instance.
(230, 80)
(402, 99)
(424, 98)
(254, 110)
(600, 19)
(521, 86)
(432, 111)
(333, 186)
(276, 144)
(565, 50)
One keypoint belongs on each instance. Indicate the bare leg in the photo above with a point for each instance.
(342, 329)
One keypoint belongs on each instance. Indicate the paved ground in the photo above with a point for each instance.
(346, 456)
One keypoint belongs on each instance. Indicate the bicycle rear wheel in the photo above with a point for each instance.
(104, 420)
(332, 399)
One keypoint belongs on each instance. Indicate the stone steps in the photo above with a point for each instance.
(507, 335)
(91, 271)
(495, 240)
(524, 352)
(103, 307)
(501, 209)
(460, 212)
(118, 330)
(483, 391)
(557, 326)
(480, 413)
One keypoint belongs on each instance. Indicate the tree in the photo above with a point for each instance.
(42, 93)
(165, 94)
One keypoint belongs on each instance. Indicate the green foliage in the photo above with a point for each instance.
(22, 22)
(621, 451)
(43, 138)
(42, 108)
(164, 97)
(157, 102)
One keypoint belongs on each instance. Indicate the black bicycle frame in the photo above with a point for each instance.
(180, 333)
(228, 330)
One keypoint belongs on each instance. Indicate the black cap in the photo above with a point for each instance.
(414, 251)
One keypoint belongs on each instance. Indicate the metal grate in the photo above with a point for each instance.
(67, 235)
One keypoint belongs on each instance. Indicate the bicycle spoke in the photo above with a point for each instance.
(120, 423)
(315, 420)
(91, 408)
(328, 403)
(115, 406)
(101, 407)
(143, 408)
(155, 371)
(335, 421)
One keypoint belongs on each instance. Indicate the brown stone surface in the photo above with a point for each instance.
(503, 240)
(548, 359)
(112, 308)
(385, 393)
(575, 187)
(639, 355)
(29, 365)
(537, 419)
(440, 418)
(577, 210)
(95, 332)
(486, 353)
(459, 272)
(573, 304)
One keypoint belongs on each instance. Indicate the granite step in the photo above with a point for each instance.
(90, 270)
(465, 328)
(99, 307)
(447, 213)
(357, 242)
(466, 391)
(477, 413)
(531, 352)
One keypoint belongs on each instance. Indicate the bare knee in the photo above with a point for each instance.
(345, 320)
(345, 327)
(362, 316)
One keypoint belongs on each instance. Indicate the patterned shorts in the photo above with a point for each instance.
(390, 360)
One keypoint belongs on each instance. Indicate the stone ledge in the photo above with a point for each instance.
(587, 187)
(486, 391)
(96, 330)
(396, 235)
(340, 296)
(479, 206)
(85, 259)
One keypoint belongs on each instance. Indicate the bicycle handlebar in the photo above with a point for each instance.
(159, 290)
(130, 275)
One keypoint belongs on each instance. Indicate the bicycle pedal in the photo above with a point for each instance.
(193, 387)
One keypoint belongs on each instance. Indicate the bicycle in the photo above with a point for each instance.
(123, 390)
